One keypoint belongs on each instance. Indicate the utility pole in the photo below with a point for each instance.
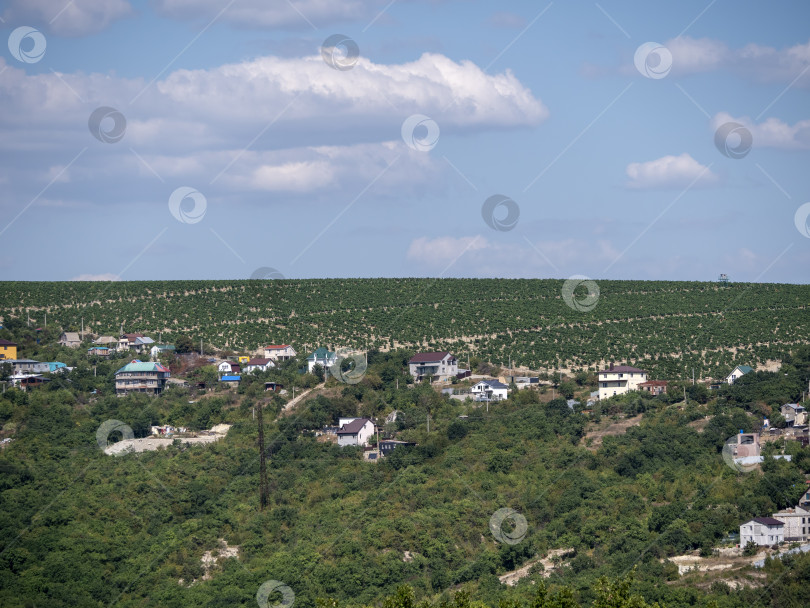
(263, 492)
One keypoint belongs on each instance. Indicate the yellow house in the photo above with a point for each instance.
(243, 359)
(8, 350)
(620, 379)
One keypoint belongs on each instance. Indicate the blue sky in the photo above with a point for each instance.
(230, 144)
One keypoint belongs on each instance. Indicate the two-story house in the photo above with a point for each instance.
(490, 390)
(797, 523)
(617, 380)
(794, 414)
(323, 357)
(8, 350)
(762, 531)
(141, 377)
(738, 372)
(356, 432)
(437, 365)
(279, 352)
(70, 338)
(258, 364)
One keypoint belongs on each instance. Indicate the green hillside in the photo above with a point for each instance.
(666, 327)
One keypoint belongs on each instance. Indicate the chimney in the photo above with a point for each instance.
(611, 365)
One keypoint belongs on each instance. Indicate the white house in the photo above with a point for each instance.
(439, 365)
(738, 372)
(620, 379)
(797, 523)
(279, 352)
(490, 390)
(258, 364)
(356, 432)
(323, 357)
(229, 368)
(762, 531)
(137, 342)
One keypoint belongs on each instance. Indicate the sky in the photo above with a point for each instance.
(230, 139)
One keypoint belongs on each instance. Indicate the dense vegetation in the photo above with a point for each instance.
(666, 327)
(81, 528)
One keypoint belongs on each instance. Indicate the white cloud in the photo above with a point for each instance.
(758, 62)
(69, 18)
(669, 172)
(97, 277)
(772, 133)
(445, 249)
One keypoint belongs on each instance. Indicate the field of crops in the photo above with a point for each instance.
(665, 327)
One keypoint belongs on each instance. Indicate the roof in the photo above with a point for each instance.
(104, 340)
(230, 378)
(654, 383)
(257, 361)
(429, 357)
(493, 384)
(143, 366)
(71, 336)
(7, 343)
(353, 427)
(144, 340)
(744, 368)
(321, 353)
(164, 346)
(277, 346)
(623, 369)
(768, 521)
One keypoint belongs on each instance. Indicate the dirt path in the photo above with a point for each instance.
(293, 402)
(511, 578)
(617, 428)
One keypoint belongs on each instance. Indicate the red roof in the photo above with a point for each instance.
(428, 357)
(278, 346)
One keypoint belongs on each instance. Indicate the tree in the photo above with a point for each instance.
(183, 344)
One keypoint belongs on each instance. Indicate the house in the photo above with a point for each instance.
(274, 387)
(242, 359)
(161, 349)
(8, 350)
(141, 377)
(99, 351)
(762, 531)
(279, 352)
(26, 381)
(797, 523)
(259, 364)
(738, 372)
(356, 432)
(231, 380)
(438, 366)
(490, 390)
(322, 357)
(136, 342)
(70, 338)
(229, 368)
(389, 445)
(620, 379)
(656, 387)
(794, 414)
(57, 366)
(105, 340)
(748, 445)
(804, 501)
(27, 366)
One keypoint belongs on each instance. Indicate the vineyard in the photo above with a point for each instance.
(666, 327)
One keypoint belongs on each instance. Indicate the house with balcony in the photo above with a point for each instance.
(490, 390)
(797, 523)
(437, 365)
(617, 380)
(141, 377)
(137, 342)
(656, 387)
(279, 352)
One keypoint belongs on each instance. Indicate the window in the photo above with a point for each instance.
(621, 375)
